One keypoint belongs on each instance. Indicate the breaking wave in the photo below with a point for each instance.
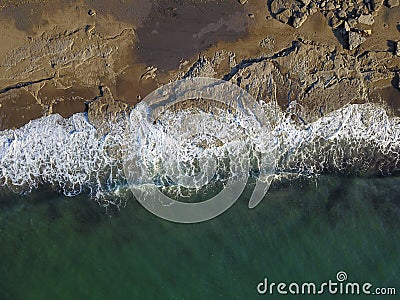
(73, 156)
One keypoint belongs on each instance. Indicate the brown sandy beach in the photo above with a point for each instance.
(68, 56)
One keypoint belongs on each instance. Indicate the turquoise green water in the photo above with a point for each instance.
(53, 247)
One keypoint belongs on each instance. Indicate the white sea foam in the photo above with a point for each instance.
(72, 156)
(68, 154)
(358, 139)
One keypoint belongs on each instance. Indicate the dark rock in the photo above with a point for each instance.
(278, 6)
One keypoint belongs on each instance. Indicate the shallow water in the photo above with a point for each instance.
(54, 247)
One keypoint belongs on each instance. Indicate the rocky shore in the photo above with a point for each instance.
(313, 57)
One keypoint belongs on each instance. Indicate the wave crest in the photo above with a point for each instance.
(73, 156)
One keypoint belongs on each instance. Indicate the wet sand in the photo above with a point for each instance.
(176, 31)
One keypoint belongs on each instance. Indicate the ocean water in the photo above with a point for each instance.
(56, 247)
(70, 227)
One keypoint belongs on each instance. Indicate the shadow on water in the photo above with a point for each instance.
(304, 230)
